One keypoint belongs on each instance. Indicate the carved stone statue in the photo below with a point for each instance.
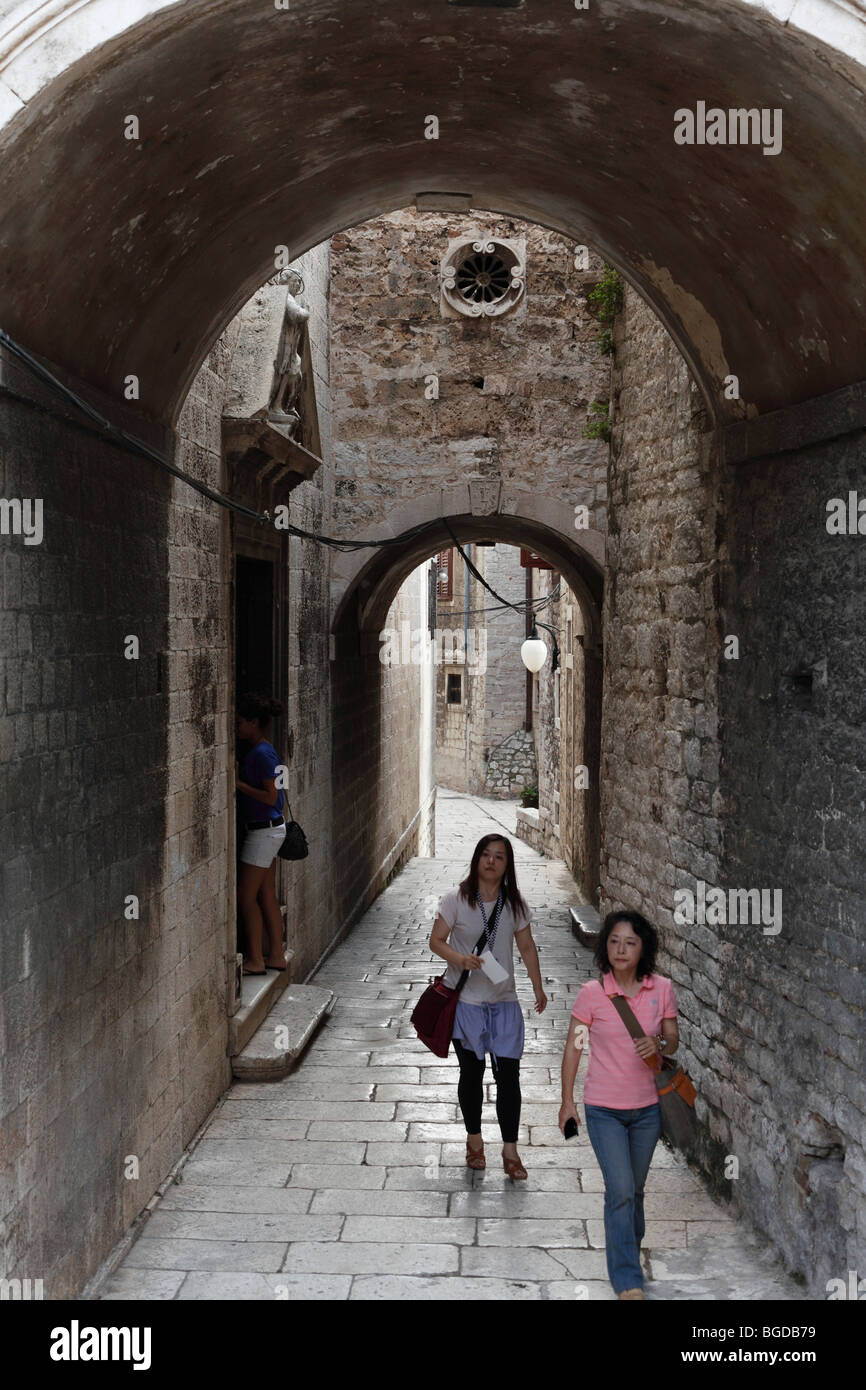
(288, 374)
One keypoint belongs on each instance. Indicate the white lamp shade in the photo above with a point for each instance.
(533, 654)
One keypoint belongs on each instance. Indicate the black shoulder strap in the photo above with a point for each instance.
(480, 943)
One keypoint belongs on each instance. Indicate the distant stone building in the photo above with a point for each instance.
(482, 744)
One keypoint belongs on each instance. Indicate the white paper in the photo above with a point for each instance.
(491, 967)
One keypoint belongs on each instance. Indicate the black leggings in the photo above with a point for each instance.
(470, 1093)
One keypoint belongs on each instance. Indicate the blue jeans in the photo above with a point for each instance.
(623, 1141)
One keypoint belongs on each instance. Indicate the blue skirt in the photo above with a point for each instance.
(494, 1028)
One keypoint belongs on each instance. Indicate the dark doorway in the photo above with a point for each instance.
(254, 626)
(254, 655)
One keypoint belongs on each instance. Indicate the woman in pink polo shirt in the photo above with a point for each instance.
(623, 1120)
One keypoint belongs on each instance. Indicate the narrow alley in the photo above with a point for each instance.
(347, 1179)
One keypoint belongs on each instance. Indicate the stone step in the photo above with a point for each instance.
(585, 924)
(281, 1038)
(259, 993)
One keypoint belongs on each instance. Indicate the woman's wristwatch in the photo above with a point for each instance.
(662, 1042)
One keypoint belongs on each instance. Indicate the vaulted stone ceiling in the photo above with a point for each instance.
(262, 127)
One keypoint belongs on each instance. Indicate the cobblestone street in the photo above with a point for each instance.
(347, 1179)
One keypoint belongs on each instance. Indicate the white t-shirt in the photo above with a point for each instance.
(466, 925)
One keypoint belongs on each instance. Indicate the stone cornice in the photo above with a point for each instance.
(797, 426)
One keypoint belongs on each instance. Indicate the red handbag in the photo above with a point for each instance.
(433, 1015)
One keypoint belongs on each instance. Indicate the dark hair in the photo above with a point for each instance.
(642, 928)
(468, 889)
(262, 708)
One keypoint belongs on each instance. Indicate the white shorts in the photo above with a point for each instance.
(260, 846)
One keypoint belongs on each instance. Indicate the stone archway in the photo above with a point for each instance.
(367, 585)
(754, 265)
(222, 170)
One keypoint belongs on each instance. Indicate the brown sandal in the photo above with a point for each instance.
(475, 1157)
(514, 1169)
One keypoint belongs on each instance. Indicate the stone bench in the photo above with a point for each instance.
(586, 925)
(285, 1033)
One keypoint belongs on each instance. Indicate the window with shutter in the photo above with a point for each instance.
(445, 574)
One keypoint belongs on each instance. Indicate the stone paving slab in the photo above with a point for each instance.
(347, 1179)
(225, 1256)
(380, 1203)
(264, 1287)
(131, 1284)
(321, 1176)
(390, 1288)
(373, 1257)
(245, 1225)
(264, 1201)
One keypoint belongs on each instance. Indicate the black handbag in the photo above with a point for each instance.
(294, 845)
(675, 1091)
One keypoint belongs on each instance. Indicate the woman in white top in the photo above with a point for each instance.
(489, 1017)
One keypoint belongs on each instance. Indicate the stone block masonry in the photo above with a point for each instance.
(90, 1073)
(116, 783)
(512, 391)
(743, 773)
(424, 402)
(792, 720)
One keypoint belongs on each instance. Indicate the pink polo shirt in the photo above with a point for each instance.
(616, 1076)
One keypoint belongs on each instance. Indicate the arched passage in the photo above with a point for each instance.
(260, 128)
(359, 759)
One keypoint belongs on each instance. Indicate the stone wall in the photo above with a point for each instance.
(740, 771)
(512, 391)
(480, 743)
(307, 886)
(565, 738)
(460, 727)
(115, 788)
(118, 855)
(786, 1066)
(381, 759)
(660, 752)
(511, 766)
(508, 401)
(660, 749)
(505, 705)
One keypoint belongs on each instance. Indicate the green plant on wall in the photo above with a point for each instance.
(598, 426)
(605, 298)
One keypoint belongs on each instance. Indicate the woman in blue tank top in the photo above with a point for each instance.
(260, 813)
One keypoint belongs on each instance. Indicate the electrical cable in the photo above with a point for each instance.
(523, 608)
(130, 443)
(533, 606)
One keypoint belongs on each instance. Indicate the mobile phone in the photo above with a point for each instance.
(570, 1127)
